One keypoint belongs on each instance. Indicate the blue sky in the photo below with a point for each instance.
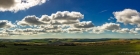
(107, 16)
(92, 9)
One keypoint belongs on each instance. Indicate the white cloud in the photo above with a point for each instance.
(27, 31)
(98, 30)
(6, 24)
(55, 31)
(70, 21)
(50, 27)
(74, 29)
(66, 15)
(128, 16)
(133, 31)
(126, 30)
(54, 22)
(111, 18)
(60, 18)
(123, 30)
(137, 29)
(45, 18)
(110, 26)
(30, 20)
(61, 22)
(16, 5)
(106, 27)
(84, 24)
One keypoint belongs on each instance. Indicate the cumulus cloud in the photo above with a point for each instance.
(7, 3)
(45, 18)
(128, 16)
(50, 27)
(55, 31)
(6, 24)
(54, 22)
(106, 27)
(30, 20)
(114, 28)
(16, 5)
(110, 26)
(70, 21)
(58, 18)
(126, 30)
(61, 22)
(98, 30)
(123, 30)
(74, 29)
(66, 15)
(3, 34)
(133, 31)
(137, 29)
(26, 31)
(84, 24)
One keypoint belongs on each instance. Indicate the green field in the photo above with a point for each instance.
(128, 49)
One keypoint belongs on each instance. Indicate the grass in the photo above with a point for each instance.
(72, 50)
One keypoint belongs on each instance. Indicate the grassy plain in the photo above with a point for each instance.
(131, 48)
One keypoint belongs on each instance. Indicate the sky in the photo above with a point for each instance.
(38, 19)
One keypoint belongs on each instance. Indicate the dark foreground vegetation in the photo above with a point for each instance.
(106, 47)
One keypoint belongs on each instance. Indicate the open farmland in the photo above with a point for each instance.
(110, 47)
